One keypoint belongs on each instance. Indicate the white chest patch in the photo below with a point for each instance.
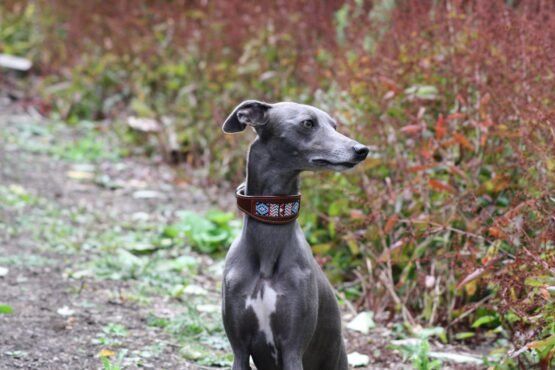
(263, 305)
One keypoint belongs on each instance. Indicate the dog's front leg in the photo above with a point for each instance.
(241, 359)
(237, 337)
(292, 360)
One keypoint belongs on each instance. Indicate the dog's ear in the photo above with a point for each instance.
(249, 113)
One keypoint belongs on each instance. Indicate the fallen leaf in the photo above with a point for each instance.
(80, 175)
(147, 194)
(191, 353)
(209, 308)
(106, 353)
(441, 186)
(13, 62)
(195, 289)
(362, 322)
(143, 124)
(460, 358)
(407, 342)
(65, 311)
(356, 359)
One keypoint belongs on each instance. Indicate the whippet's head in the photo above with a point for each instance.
(300, 137)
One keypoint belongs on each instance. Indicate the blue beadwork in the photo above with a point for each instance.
(295, 209)
(261, 209)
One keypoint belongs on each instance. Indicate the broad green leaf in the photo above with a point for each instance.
(5, 309)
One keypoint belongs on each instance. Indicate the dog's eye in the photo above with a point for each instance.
(308, 123)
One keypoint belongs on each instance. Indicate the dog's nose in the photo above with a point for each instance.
(361, 151)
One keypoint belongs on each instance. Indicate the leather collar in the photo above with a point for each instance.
(270, 209)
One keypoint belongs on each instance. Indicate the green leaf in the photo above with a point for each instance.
(464, 335)
(171, 232)
(219, 217)
(543, 344)
(5, 309)
(437, 331)
(484, 320)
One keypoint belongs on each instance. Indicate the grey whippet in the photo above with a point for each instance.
(278, 306)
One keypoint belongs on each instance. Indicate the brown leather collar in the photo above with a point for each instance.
(270, 209)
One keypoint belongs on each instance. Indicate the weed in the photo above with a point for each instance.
(116, 364)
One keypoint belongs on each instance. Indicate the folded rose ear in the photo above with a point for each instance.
(249, 113)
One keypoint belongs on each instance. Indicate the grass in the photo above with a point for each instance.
(86, 145)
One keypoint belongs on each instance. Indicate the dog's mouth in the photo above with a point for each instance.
(326, 163)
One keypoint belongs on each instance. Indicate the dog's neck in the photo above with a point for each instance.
(266, 177)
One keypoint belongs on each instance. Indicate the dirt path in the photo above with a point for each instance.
(94, 265)
(48, 208)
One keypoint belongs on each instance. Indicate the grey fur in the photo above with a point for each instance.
(306, 324)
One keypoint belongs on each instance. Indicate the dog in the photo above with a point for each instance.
(278, 306)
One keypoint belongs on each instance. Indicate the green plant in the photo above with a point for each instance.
(417, 350)
(116, 364)
(114, 329)
(421, 359)
(18, 32)
(210, 233)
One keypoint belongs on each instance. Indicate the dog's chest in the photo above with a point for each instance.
(263, 302)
